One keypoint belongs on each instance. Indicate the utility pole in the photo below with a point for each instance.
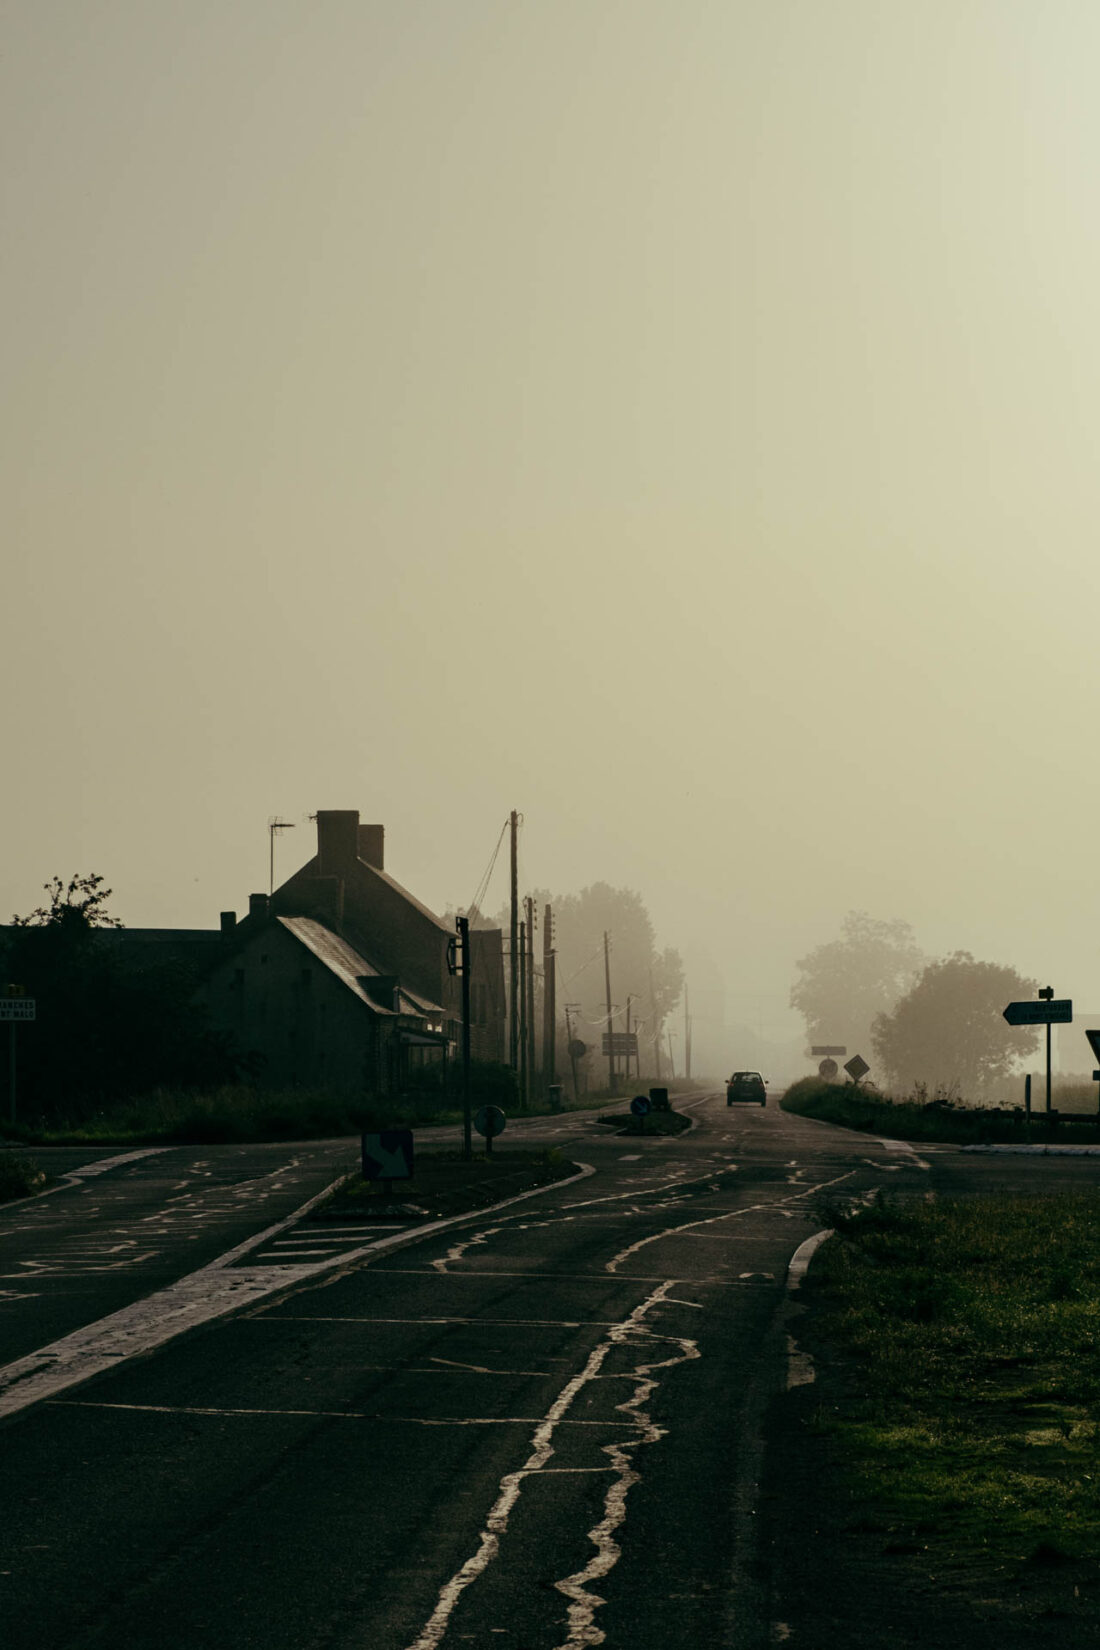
(612, 1078)
(523, 1014)
(687, 1036)
(463, 926)
(656, 1024)
(529, 907)
(671, 1061)
(513, 953)
(572, 1056)
(549, 1006)
(629, 1000)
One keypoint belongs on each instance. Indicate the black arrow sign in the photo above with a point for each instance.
(1056, 1012)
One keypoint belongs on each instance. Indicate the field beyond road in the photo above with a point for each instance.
(952, 1435)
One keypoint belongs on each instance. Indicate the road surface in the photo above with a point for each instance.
(538, 1429)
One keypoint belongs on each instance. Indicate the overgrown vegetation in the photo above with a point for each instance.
(970, 1416)
(19, 1177)
(229, 1113)
(938, 1117)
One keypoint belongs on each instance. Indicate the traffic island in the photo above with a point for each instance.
(654, 1122)
(444, 1184)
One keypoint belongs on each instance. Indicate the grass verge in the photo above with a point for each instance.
(959, 1413)
(856, 1108)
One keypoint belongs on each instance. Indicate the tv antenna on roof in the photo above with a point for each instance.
(274, 825)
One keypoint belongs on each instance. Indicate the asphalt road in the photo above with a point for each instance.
(539, 1429)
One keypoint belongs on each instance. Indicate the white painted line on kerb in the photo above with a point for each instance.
(905, 1147)
(800, 1366)
(211, 1292)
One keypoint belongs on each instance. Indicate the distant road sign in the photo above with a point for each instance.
(856, 1067)
(489, 1121)
(829, 1069)
(577, 1049)
(828, 1049)
(1094, 1042)
(620, 1042)
(17, 1008)
(639, 1105)
(1057, 1011)
(389, 1155)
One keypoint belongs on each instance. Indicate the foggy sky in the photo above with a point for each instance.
(676, 421)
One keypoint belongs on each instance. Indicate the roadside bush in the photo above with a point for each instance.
(19, 1176)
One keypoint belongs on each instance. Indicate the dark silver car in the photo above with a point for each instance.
(748, 1086)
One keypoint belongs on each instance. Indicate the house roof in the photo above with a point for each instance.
(350, 967)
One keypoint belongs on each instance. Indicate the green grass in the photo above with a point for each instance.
(915, 1119)
(969, 1333)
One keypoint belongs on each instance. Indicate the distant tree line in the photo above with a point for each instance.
(936, 1024)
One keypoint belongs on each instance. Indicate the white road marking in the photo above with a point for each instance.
(336, 1415)
(208, 1293)
(734, 1214)
(584, 1604)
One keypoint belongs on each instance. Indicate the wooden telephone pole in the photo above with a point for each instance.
(549, 1006)
(612, 1077)
(529, 908)
(513, 952)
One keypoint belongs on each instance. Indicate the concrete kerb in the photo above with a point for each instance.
(800, 1366)
(213, 1291)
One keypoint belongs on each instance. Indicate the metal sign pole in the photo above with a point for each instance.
(11, 1071)
(463, 926)
(1047, 994)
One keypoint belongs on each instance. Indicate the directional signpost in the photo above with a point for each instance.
(1049, 1010)
(641, 1108)
(828, 1049)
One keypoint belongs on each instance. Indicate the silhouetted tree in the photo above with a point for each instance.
(949, 1030)
(844, 985)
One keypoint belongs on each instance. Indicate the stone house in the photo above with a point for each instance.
(341, 979)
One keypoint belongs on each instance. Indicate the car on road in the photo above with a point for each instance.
(748, 1086)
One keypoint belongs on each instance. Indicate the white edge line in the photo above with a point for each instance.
(800, 1366)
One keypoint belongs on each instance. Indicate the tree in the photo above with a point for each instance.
(845, 984)
(79, 904)
(653, 979)
(949, 1030)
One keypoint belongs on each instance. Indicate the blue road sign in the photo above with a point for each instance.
(389, 1155)
(639, 1105)
(489, 1121)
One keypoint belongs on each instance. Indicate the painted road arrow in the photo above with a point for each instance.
(1056, 1012)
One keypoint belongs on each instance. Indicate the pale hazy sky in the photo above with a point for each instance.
(676, 419)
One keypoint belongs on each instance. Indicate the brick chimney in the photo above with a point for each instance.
(372, 845)
(337, 841)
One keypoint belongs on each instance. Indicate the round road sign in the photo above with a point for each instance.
(489, 1121)
(827, 1068)
(639, 1105)
(577, 1049)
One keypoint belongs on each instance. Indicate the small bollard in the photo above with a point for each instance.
(658, 1099)
(555, 1096)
